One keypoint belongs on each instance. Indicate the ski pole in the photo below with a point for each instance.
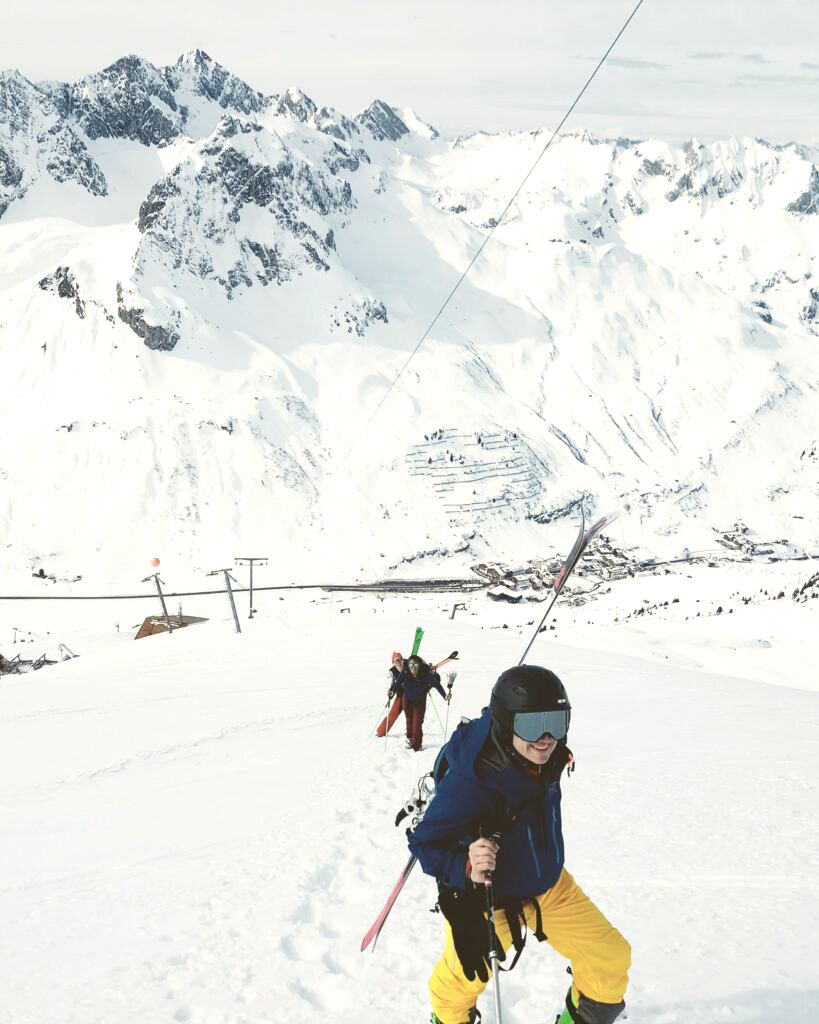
(375, 728)
(493, 949)
(493, 952)
(432, 702)
(450, 680)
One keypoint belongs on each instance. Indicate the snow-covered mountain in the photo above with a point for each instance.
(205, 292)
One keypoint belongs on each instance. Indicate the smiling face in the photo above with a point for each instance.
(538, 752)
(414, 667)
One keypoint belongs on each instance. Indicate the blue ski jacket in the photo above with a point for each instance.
(525, 809)
(417, 689)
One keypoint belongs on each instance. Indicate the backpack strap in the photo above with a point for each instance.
(514, 916)
(540, 935)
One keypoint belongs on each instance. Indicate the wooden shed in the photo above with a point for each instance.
(158, 624)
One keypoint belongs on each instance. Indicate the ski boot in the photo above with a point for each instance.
(473, 1018)
(588, 1011)
(569, 1015)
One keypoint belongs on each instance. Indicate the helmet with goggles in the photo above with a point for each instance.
(530, 701)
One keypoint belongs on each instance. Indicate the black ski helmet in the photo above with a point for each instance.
(526, 688)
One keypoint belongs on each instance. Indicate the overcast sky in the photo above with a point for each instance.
(708, 68)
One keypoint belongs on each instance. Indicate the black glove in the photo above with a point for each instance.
(470, 931)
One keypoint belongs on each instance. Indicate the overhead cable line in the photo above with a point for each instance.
(485, 242)
(397, 586)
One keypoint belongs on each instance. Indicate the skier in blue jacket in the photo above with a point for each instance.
(417, 679)
(497, 809)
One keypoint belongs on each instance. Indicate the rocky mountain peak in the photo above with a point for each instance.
(196, 73)
(331, 122)
(202, 220)
(20, 101)
(382, 122)
(130, 99)
(297, 104)
(196, 58)
(35, 141)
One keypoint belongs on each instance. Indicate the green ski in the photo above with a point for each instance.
(416, 643)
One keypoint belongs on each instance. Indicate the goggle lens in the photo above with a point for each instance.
(531, 725)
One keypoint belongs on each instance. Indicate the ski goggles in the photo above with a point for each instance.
(531, 725)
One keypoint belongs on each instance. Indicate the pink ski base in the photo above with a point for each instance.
(378, 924)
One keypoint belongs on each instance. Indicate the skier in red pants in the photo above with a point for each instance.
(418, 679)
(394, 695)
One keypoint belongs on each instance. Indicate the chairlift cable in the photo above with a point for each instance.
(485, 241)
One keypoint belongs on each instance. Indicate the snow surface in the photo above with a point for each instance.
(199, 827)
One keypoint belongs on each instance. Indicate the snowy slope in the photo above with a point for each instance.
(205, 292)
(198, 827)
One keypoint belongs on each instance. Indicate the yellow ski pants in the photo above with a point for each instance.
(599, 955)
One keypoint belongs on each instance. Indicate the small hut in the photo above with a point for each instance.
(159, 624)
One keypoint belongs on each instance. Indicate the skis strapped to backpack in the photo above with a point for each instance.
(584, 538)
(415, 806)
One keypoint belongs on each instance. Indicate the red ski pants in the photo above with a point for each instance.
(414, 711)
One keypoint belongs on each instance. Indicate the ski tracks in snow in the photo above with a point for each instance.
(276, 932)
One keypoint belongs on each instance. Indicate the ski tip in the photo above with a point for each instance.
(605, 520)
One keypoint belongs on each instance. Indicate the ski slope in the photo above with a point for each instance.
(200, 827)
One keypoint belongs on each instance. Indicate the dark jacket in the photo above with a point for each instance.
(417, 689)
(396, 687)
(484, 789)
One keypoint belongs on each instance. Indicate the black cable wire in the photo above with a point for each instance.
(398, 586)
(485, 242)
